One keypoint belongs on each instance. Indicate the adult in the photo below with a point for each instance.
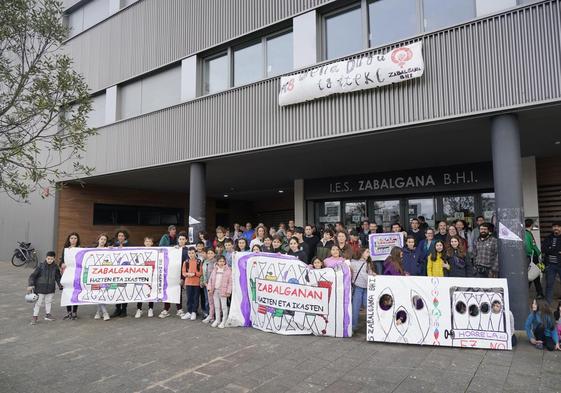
(205, 238)
(248, 233)
(242, 245)
(453, 231)
(259, 236)
(220, 237)
(122, 240)
(72, 241)
(291, 225)
(339, 227)
(464, 233)
(457, 258)
(427, 244)
(170, 238)
(396, 228)
(295, 250)
(182, 239)
(277, 245)
(237, 232)
(412, 258)
(532, 254)
(341, 241)
(364, 233)
(354, 241)
(479, 220)
(551, 248)
(311, 239)
(335, 258)
(299, 234)
(423, 225)
(442, 231)
(485, 254)
(361, 267)
(323, 248)
(415, 231)
(393, 265)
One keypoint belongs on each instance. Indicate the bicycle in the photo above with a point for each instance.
(24, 254)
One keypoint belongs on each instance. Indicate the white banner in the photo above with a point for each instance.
(456, 312)
(121, 275)
(365, 72)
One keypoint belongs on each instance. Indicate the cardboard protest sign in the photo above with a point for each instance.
(121, 275)
(456, 312)
(280, 294)
(381, 244)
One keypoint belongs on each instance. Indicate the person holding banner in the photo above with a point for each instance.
(342, 241)
(122, 237)
(335, 259)
(102, 240)
(361, 267)
(72, 241)
(148, 242)
(181, 243)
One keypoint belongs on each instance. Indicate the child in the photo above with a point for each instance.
(72, 241)
(317, 264)
(277, 246)
(393, 265)
(148, 242)
(412, 258)
(200, 246)
(220, 288)
(361, 267)
(228, 251)
(208, 267)
(191, 272)
(102, 240)
(181, 243)
(436, 261)
(43, 281)
(256, 248)
(241, 245)
(267, 244)
(540, 327)
(122, 237)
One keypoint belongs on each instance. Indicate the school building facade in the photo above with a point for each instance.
(186, 103)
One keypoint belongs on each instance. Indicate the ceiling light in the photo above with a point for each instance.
(558, 142)
(281, 191)
(225, 195)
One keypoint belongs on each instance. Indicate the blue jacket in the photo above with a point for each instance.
(534, 320)
(412, 261)
(425, 248)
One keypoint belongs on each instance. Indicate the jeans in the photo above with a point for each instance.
(380, 267)
(539, 334)
(359, 299)
(139, 305)
(551, 271)
(48, 299)
(192, 293)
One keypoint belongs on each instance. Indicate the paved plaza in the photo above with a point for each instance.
(171, 355)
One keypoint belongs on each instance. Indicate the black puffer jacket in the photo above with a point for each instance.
(45, 277)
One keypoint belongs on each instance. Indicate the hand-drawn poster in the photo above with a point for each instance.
(456, 312)
(280, 294)
(381, 244)
(121, 275)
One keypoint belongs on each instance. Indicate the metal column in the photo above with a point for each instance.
(197, 199)
(507, 175)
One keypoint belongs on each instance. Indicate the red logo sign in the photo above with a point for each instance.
(401, 56)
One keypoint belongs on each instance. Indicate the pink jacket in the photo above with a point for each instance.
(225, 284)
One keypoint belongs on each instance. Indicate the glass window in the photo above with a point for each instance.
(96, 117)
(328, 213)
(392, 20)
(248, 64)
(440, 13)
(161, 90)
(76, 22)
(488, 205)
(94, 12)
(279, 54)
(386, 213)
(343, 33)
(216, 74)
(459, 208)
(421, 207)
(103, 215)
(355, 213)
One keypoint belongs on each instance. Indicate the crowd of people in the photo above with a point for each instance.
(449, 250)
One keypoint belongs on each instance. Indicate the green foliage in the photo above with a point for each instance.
(44, 103)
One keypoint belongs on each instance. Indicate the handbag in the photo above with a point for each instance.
(533, 271)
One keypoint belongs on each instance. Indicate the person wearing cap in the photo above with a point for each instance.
(170, 238)
(43, 282)
(299, 234)
(551, 249)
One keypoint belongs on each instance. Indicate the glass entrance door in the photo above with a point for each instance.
(459, 208)
(386, 213)
(421, 207)
(355, 212)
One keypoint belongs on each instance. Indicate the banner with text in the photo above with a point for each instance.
(381, 244)
(364, 72)
(121, 275)
(280, 294)
(456, 312)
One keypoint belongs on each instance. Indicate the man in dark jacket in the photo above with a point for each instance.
(551, 249)
(311, 240)
(43, 281)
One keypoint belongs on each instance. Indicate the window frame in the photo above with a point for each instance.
(227, 53)
(362, 5)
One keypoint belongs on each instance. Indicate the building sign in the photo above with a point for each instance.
(430, 180)
(365, 72)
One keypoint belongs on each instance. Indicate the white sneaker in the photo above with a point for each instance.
(97, 315)
(180, 313)
(106, 316)
(215, 324)
(186, 316)
(150, 313)
(193, 316)
(138, 314)
(207, 319)
(164, 314)
(222, 325)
